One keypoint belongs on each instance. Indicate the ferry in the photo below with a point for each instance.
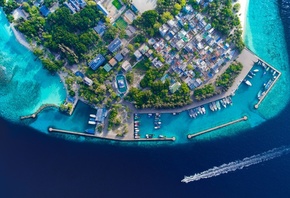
(90, 131)
(92, 122)
(92, 115)
(248, 82)
(218, 105)
(255, 70)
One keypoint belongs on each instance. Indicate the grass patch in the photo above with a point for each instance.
(143, 65)
(117, 4)
(121, 23)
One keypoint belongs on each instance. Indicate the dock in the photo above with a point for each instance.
(244, 118)
(267, 91)
(41, 108)
(53, 130)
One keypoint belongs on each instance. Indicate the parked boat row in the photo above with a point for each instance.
(193, 113)
(157, 121)
(216, 105)
(136, 126)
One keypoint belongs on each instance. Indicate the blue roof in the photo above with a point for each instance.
(100, 28)
(80, 74)
(44, 11)
(115, 45)
(119, 57)
(97, 62)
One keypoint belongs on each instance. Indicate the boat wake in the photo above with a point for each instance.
(239, 164)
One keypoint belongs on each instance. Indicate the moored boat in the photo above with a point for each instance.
(211, 106)
(223, 103)
(255, 70)
(90, 131)
(248, 82)
(92, 115)
(92, 122)
(214, 106)
(218, 105)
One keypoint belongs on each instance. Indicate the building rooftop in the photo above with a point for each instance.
(102, 8)
(44, 11)
(115, 45)
(119, 57)
(126, 66)
(100, 28)
(88, 81)
(113, 62)
(97, 62)
(107, 67)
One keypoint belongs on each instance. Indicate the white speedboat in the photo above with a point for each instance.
(255, 70)
(92, 122)
(248, 82)
(92, 115)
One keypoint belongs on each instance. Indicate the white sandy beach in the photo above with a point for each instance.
(243, 13)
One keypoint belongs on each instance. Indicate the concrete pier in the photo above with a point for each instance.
(267, 91)
(51, 130)
(41, 108)
(244, 118)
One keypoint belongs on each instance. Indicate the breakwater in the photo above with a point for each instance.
(41, 108)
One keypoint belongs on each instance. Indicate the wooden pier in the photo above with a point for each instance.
(267, 91)
(41, 108)
(51, 130)
(217, 127)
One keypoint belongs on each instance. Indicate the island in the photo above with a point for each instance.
(130, 58)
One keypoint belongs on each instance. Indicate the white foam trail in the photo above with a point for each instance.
(239, 164)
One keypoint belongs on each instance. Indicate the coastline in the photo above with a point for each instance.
(243, 14)
(20, 38)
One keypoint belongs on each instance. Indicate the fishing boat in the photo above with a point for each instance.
(203, 109)
(268, 84)
(92, 115)
(211, 107)
(218, 105)
(90, 131)
(214, 106)
(248, 82)
(92, 122)
(230, 100)
(255, 70)
(259, 94)
(223, 103)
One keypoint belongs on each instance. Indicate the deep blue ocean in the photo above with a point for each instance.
(36, 165)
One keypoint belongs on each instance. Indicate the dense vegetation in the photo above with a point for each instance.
(204, 92)
(227, 78)
(156, 93)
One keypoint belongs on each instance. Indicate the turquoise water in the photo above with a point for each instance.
(26, 86)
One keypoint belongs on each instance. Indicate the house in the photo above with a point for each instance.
(113, 62)
(125, 51)
(100, 28)
(163, 29)
(44, 11)
(174, 87)
(97, 62)
(72, 10)
(119, 57)
(107, 67)
(138, 55)
(102, 8)
(126, 66)
(88, 81)
(144, 48)
(115, 45)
